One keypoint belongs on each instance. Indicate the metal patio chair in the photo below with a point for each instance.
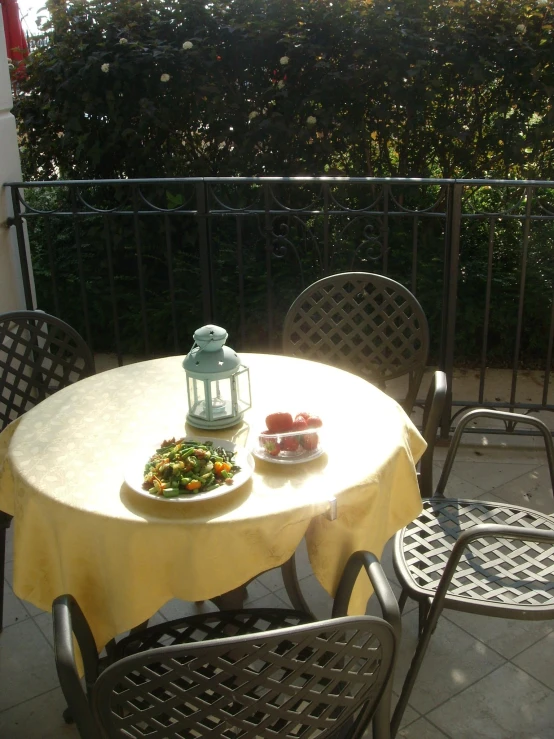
(492, 559)
(39, 354)
(248, 673)
(374, 327)
(365, 323)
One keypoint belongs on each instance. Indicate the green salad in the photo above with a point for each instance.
(188, 467)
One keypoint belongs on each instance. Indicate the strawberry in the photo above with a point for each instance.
(309, 441)
(279, 423)
(289, 444)
(314, 422)
(303, 415)
(299, 424)
(269, 443)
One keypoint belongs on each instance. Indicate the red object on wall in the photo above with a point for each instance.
(16, 42)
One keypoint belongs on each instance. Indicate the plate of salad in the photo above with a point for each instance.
(186, 470)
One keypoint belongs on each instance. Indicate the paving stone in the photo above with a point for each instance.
(38, 718)
(506, 636)
(531, 490)
(14, 612)
(538, 660)
(457, 487)
(490, 475)
(422, 729)
(454, 660)
(271, 600)
(506, 704)
(27, 666)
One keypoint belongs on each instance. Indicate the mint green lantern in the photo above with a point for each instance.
(218, 384)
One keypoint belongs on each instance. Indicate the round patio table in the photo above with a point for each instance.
(80, 529)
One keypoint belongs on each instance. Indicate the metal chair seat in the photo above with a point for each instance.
(513, 575)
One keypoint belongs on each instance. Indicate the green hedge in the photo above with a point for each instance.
(439, 88)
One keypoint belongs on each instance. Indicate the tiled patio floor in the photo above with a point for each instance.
(483, 678)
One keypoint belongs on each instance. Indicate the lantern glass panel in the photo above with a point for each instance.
(196, 397)
(242, 385)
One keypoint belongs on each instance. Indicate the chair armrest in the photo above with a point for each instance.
(391, 614)
(499, 415)
(69, 621)
(381, 586)
(432, 414)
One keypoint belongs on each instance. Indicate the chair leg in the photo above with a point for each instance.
(429, 627)
(2, 583)
(5, 521)
(381, 726)
(231, 601)
(423, 612)
(110, 651)
(402, 600)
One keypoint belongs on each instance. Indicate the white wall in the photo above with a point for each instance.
(11, 284)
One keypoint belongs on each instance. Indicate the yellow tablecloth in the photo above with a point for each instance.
(79, 529)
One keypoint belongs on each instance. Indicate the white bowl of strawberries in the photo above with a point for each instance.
(290, 440)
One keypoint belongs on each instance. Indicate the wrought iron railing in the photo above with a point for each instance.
(151, 258)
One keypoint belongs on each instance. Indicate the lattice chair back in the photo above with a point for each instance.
(39, 354)
(365, 323)
(303, 681)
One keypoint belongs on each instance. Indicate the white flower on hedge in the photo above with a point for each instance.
(253, 114)
(521, 28)
(60, 134)
(123, 41)
(542, 2)
(105, 67)
(187, 45)
(311, 120)
(165, 78)
(284, 60)
(281, 84)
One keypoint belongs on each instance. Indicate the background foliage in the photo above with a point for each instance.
(426, 88)
(420, 88)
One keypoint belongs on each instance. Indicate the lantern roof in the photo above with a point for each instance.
(209, 359)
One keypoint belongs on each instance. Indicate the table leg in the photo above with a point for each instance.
(231, 601)
(5, 522)
(139, 628)
(292, 586)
